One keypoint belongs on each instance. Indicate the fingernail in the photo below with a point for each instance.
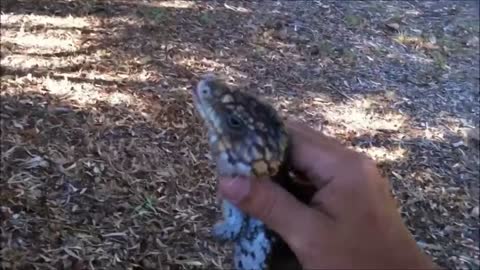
(234, 189)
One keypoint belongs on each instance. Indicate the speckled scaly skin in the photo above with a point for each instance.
(247, 138)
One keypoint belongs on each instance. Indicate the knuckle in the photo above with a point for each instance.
(269, 205)
(266, 201)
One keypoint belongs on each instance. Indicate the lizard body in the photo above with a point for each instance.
(247, 138)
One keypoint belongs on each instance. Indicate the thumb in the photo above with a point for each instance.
(273, 205)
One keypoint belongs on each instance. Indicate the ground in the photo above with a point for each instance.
(104, 162)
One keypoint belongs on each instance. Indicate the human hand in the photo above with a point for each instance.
(352, 221)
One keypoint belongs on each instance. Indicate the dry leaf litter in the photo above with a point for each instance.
(104, 163)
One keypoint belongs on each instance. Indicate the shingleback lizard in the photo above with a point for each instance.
(247, 138)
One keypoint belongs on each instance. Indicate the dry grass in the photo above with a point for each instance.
(104, 164)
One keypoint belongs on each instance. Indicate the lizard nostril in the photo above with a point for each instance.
(234, 122)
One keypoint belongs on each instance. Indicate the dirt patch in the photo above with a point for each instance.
(105, 164)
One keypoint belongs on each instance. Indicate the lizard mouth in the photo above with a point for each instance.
(203, 103)
(196, 97)
(201, 106)
(195, 91)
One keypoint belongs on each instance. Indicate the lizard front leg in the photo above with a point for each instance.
(233, 220)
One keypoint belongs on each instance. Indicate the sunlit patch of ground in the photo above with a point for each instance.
(176, 4)
(383, 154)
(21, 61)
(22, 20)
(86, 93)
(39, 43)
(28, 32)
(360, 116)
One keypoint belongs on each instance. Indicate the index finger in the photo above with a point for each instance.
(314, 154)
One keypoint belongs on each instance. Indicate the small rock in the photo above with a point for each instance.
(60, 110)
(473, 42)
(393, 26)
(35, 162)
(471, 135)
(475, 211)
(145, 60)
(417, 31)
(457, 144)
(429, 246)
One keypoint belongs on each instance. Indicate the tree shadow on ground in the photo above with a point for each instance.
(430, 183)
(109, 179)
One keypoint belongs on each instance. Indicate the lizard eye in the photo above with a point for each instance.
(234, 122)
(205, 91)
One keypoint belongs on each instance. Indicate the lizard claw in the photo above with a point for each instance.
(223, 232)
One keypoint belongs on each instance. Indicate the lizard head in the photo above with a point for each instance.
(246, 135)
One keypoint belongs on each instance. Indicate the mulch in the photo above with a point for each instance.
(105, 164)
